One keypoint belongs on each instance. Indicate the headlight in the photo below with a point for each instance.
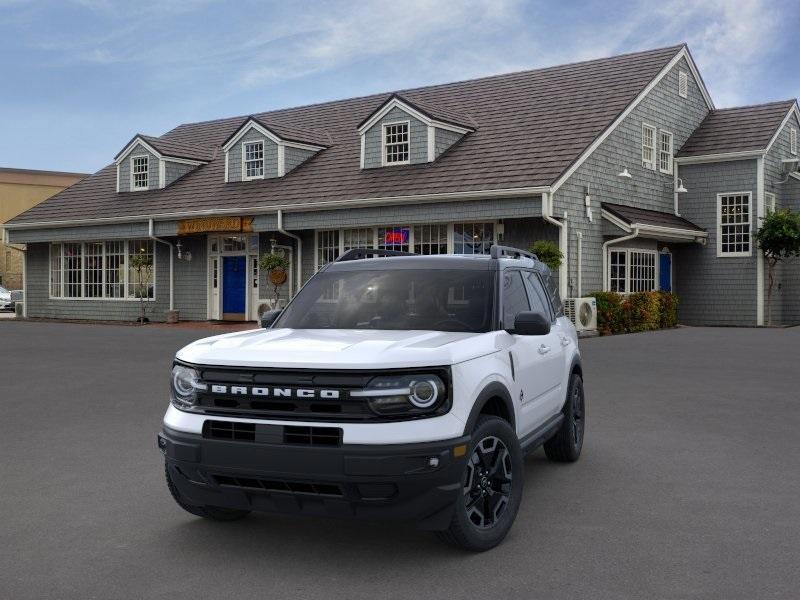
(185, 385)
(405, 394)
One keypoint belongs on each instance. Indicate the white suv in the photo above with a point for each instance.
(397, 387)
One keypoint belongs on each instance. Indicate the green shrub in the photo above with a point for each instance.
(640, 311)
(643, 311)
(669, 309)
(548, 252)
(609, 312)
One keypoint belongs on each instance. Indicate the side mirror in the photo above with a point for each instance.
(269, 317)
(531, 323)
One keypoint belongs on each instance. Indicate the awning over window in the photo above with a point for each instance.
(652, 223)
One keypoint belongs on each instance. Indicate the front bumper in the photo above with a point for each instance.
(417, 483)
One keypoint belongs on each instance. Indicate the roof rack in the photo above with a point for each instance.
(509, 252)
(359, 253)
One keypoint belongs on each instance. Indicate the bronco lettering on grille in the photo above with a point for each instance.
(275, 392)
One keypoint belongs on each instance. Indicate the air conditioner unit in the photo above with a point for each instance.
(582, 312)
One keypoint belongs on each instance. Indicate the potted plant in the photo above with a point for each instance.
(548, 252)
(275, 265)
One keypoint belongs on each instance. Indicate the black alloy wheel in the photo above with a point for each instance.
(487, 482)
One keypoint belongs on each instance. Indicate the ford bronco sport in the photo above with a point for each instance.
(399, 387)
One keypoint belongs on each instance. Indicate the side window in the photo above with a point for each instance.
(515, 299)
(551, 288)
(537, 294)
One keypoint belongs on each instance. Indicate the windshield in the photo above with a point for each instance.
(434, 299)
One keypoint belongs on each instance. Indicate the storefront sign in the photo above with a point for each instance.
(210, 224)
(396, 237)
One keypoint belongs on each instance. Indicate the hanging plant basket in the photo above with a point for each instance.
(277, 276)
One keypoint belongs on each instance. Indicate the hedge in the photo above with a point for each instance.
(640, 311)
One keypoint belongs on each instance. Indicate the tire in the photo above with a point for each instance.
(215, 513)
(486, 511)
(566, 444)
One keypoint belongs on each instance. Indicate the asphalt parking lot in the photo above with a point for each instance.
(688, 486)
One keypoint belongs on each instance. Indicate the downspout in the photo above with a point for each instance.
(580, 264)
(605, 254)
(547, 210)
(151, 235)
(299, 250)
(675, 187)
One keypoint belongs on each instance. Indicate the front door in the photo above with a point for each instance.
(234, 284)
(665, 272)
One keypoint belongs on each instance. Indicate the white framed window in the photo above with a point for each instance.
(56, 269)
(734, 218)
(665, 152)
(436, 238)
(430, 239)
(683, 84)
(792, 140)
(98, 270)
(363, 237)
(253, 160)
(632, 270)
(93, 270)
(396, 144)
(648, 146)
(770, 201)
(116, 256)
(327, 246)
(473, 238)
(140, 172)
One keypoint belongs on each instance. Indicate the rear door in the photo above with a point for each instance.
(556, 343)
(533, 355)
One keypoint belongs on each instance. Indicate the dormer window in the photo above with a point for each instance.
(140, 177)
(396, 143)
(253, 160)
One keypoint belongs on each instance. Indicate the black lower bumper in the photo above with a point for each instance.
(417, 483)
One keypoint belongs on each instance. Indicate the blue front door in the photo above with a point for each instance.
(233, 285)
(665, 272)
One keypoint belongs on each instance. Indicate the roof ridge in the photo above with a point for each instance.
(437, 85)
(757, 105)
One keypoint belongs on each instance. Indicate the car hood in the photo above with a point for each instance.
(338, 348)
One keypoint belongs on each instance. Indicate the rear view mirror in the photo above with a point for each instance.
(269, 317)
(531, 323)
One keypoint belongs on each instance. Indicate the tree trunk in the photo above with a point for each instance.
(770, 269)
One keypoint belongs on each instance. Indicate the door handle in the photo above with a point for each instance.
(544, 349)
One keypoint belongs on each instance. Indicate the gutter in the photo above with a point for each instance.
(269, 210)
(605, 254)
(299, 249)
(171, 263)
(547, 209)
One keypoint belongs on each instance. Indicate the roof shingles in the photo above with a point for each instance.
(740, 129)
(530, 126)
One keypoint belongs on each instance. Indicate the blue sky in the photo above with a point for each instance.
(79, 78)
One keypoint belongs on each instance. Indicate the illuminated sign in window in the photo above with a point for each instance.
(396, 236)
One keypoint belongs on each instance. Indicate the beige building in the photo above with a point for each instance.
(21, 189)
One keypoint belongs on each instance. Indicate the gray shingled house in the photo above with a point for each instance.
(623, 161)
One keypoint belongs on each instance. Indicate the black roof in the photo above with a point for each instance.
(631, 215)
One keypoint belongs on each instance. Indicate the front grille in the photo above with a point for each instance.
(292, 394)
(230, 430)
(312, 436)
(279, 486)
(272, 434)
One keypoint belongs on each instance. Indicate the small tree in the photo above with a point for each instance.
(142, 265)
(276, 266)
(548, 253)
(778, 236)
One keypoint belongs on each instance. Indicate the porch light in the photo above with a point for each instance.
(624, 173)
(680, 189)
